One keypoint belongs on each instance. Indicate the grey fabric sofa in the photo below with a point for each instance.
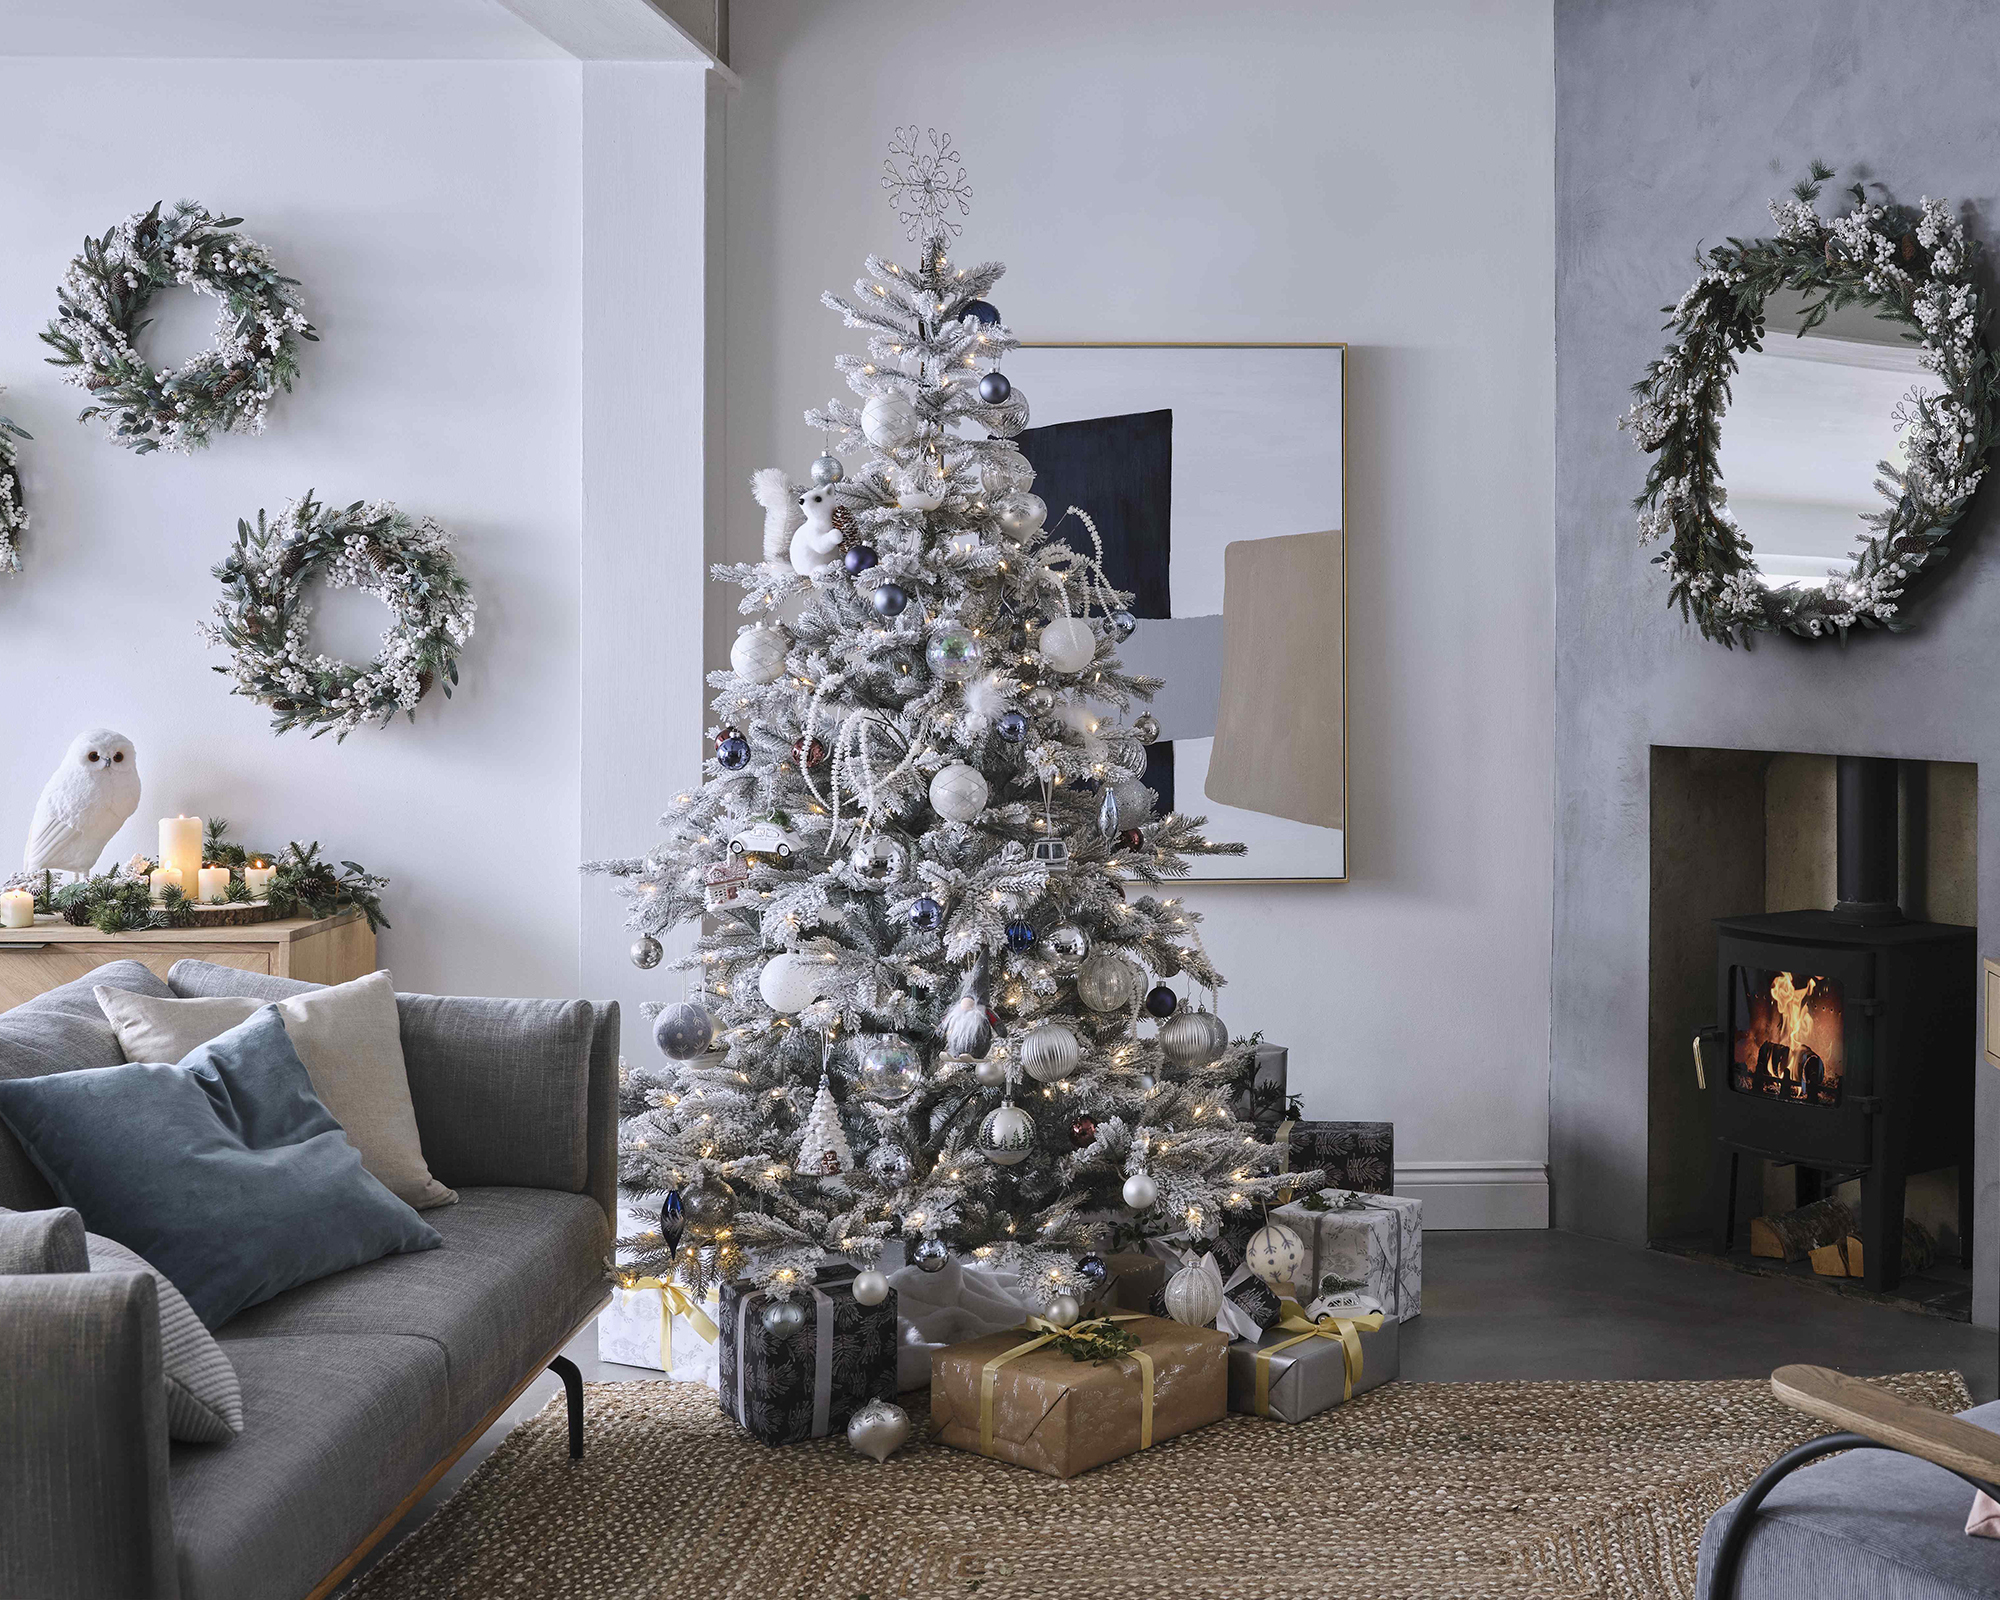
(1867, 1525)
(359, 1389)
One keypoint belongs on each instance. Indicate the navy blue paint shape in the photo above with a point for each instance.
(1121, 471)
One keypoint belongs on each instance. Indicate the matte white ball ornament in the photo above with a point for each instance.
(1049, 1053)
(1141, 1192)
(958, 792)
(1193, 1296)
(791, 982)
(1063, 1310)
(1275, 1254)
(870, 1287)
(1068, 643)
(889, 421)
(758, 655)
(1020, 515)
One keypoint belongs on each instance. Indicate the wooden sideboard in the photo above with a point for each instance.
(318, 950)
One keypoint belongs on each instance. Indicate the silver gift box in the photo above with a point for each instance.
(1310, 1377)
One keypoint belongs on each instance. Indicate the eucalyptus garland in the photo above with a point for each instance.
(227, 387)
(13, 503)
(404, 562)
(1910, 265)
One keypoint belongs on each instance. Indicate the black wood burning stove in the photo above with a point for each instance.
(1845, 1037)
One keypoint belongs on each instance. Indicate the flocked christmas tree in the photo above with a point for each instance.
(925, 857)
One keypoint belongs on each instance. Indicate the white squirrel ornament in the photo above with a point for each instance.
(86, 800)
(797, 526)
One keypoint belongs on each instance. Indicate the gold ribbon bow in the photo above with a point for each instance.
(674, 1301)
(1346, 1329)
(1046, 1331)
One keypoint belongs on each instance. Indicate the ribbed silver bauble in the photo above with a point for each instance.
(1185, 1040)
(1194, 1296)
(1049, 1052)
(1108, 981)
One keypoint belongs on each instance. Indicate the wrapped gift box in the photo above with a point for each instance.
(1309, 1366)
(805, 1384)
(1060, 1416)
(1376, 1240)
(1354, 1155)
(662, 1327)
(1135, 1278)
(1260, 1094)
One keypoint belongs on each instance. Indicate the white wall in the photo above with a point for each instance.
(1176, 170)
(432, 212)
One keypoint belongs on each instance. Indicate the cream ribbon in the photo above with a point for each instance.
(989, 1374)
(674, 1301)
(1346, 1329)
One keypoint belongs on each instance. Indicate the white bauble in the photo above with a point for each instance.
(1141, 1192)
(870, 1287)
(889, 421)
(1275, 1254)
(1020, 515)
(958, 792)
(1108, 981)
(1007, 1135)
(1068, 643)
(1193, 1296)
(791, 982)
(758, 655)
(1063, 1310)
(879, 1429)
(1049, 1053)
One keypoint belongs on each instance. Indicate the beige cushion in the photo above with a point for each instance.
(351, 1044)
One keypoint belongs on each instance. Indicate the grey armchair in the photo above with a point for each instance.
(360, 1389)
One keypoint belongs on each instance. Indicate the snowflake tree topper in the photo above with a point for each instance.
(927, 184)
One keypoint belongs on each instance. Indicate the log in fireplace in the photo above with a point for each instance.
(1845, 1039)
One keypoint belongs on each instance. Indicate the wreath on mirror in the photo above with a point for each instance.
(1912, 266)
(228, 387)
(13, 503)
(403, 561)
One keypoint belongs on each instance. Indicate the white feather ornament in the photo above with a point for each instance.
(87, 799)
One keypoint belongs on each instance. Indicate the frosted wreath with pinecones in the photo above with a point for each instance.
(1912, 265)
(13, 503)
(403, 561)
(226, 388)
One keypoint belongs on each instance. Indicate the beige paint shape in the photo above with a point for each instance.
(1281, 724)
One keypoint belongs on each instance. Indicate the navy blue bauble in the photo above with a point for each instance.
(1085, 785)
(889, 599)
(671, 1218)
(1094, 1270)
(980, 311)
(733, 753)
(1011, 726)
(927, 914)
(1161, 1001)
(994, 388)
(1020, 936)
(859, 559)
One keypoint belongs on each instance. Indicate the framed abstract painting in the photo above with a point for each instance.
(1216, 476)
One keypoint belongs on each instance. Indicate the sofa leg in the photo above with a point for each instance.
(565, 1369)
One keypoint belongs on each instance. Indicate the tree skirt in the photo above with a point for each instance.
(1417, 1491)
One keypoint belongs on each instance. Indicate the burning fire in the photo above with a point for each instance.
(1792, 1044)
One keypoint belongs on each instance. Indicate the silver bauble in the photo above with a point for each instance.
(890, 421)
(1007, 1135)
(1042, 701)
(1275, 1254)
(1049, 1053)
(889, 1069)
(1068, 944)
(1123, 625)
(1135, 801)
(968, 1030)
(931, 1255)
(827, 469)
(889, 1164)
(1194, 1296)
(1108, 815)
(1063, 1310)
(1184, 1040)
(1141, 1192)
(990, 1075)
(783, 1318)
(708, 1203)
(879, 858)
(1020, 515)
(870, 1287)
(683, 1030)
(646, 952)
(880, 1428)
(1108, 981)
(1147, 727)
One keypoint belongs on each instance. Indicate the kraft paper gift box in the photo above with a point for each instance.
(661, 1326)
(805, 1384)
(1305, 1365)
(1052, 1414)
(1354, 1155)
(1135, 1277)
(1376, 1240)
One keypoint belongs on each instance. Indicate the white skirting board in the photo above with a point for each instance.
(1477, 1194)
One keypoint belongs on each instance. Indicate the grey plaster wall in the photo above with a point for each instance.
(1676, 120)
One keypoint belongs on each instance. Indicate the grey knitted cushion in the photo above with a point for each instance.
(204, 1403)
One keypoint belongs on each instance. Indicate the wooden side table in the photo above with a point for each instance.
(319, 950)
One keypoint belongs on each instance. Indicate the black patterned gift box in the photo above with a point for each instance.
(803, 1384)
(1353, 1155)
(1260, 1092)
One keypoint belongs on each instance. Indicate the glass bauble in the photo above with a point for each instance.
(981, 312)
(889, 599)
(646, 952)
(673, 1218)
(1161, 1001)
(1094, 1270)
(708, 1203)
(890, 421)
(860, 558)
(954, 653)
(870, 1287)
(958, 792)
(808, 753)
(1275, 1254)
(890, 1069)
(758, 655)
(888, 1163)
(1020, 937)
(1040, 700)
(1218, 1033)
(1011, 726)
(1147, 727)
(1007, 1135)
(1082, 1133)
(1063, 1310)
(1067, 644)
(732, 752)
(1049, 1053)
(994, 388)
(1107, 981)
(879, 858)
(1194, 1296)
(827, 469)
(1020, 514)
(927, 914)
(683, 1030)
(932, 1254)
(1069, 944)
(1123, 625)
(1141, 1192)
(990, 1075)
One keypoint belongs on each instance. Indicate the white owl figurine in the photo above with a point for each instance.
(86, 800)
(816, 541)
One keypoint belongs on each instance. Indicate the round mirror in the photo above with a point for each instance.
(1821, 419)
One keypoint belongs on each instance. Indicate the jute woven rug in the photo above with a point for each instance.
(1449, 1491)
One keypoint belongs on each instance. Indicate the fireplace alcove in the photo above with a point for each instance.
(1745, 863)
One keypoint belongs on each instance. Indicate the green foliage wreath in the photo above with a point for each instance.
(1909, 265)
(227, 387)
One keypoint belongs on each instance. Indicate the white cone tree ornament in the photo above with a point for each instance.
(912, 784)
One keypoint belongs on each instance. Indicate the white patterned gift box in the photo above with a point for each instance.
(651, 1325)
(1374, 1239)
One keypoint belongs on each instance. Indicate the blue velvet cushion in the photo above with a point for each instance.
(225, 1172)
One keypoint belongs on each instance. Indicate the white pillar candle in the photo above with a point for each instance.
(17, 909)
(180, 846)
(257, 879)
(214, 885)
(167, 878)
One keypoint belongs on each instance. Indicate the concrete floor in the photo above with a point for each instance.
(1552, 1305)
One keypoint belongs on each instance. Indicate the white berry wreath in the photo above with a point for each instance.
(13, 504)
(227, 387)
(402, 561)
